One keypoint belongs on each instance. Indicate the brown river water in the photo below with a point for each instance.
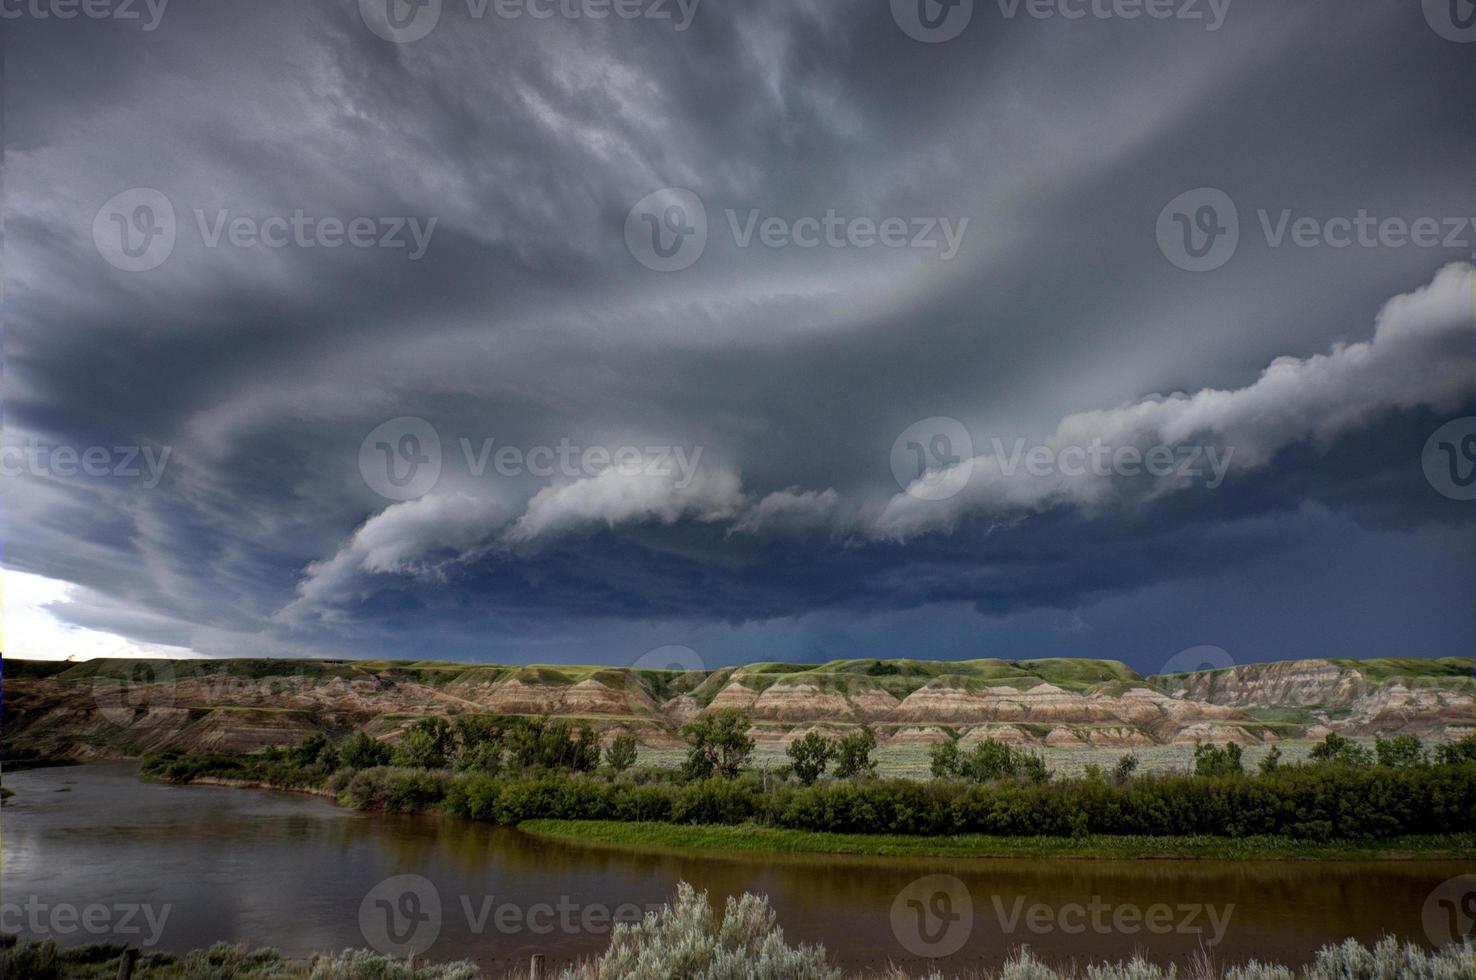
(91, 853)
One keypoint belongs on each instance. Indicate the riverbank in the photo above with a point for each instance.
(752, 838)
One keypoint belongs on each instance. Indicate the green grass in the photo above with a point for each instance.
(749, 837)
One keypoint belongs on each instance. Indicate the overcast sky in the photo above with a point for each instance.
(785, 330)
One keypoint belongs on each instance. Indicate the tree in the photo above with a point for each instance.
(810, 754)
(620, 754)
(1339, 751)
(1033, 767)
(853, 754)
(1122, 773)
(1454, 753)
(425, 745)
(1400, 752)
(990, 760)
(311, 750)
(1217, 760)
(359, 751)
(717, 743)
(1271, 761)
(944, 759)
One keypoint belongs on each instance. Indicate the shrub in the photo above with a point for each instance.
(681, 941)
(1123, 771)
(1400, 751)
(1455, 753)
(1217, 760)
(943, 759)
(1337, 750)
(360, 751)
(398, 790)
(427, 744)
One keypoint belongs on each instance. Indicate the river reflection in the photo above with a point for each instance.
(291, 871)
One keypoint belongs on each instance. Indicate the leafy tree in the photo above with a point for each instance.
(427, 744)
(717, 743)
(1271, 761)
(1217, 760)
(810, 755)
(1400, 752)
(1454, 753)
(359, 751)
(312, 750)
(991, 760)
(853, 754)
(1337, 750)
(620, 754)
(1122, 773)
(1033, 767)
(944, 759)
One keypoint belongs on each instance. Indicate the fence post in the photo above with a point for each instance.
(535, 968)
(125, 965)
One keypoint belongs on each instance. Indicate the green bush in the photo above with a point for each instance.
(810, 755)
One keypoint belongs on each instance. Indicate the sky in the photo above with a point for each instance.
(573, 330)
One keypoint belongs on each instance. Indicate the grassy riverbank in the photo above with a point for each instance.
(751, 838)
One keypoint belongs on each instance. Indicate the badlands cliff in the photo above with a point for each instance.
(109, 708)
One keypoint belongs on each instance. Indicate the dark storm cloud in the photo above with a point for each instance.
(528, 320)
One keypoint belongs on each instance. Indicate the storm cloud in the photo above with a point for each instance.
(273, 240)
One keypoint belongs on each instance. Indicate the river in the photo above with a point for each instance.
(185, 866)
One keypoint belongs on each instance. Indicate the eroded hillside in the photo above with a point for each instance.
(108, 708)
